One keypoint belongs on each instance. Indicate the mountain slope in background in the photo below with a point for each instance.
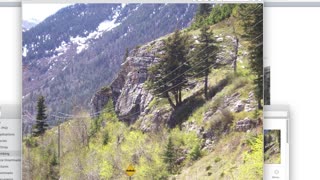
(73, 53)
(28, 24)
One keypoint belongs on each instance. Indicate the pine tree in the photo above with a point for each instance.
(203, 12)
(251, 16)
(126, 55)
(236, 50)
(41, 124)
(204, 9)
(196, 152)
(206, 53)
(169, 155)
(168, 77)
(53, 173)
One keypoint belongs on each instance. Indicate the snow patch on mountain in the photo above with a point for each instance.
(82, 43)
(24, 51)
(105, 26)
(62, 48)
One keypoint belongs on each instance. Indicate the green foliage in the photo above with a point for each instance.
(221, 12)
(105, 89)
(182, 113)
(196, 152)
(157, 102)
(239, 82)
(106, 170)
(221, 122)
(41, 125)
(217, 159)
(30, 142)
(126, 55)
(208, 168)
(95, 126)
(217, 14)
(204, 9)
(105, 138)
(169, 155)
(54, 169)
(167, 78)
(206, 54)
(107, 114)
(253, 160)
(251, 17)
(183, 139)
(42, 161)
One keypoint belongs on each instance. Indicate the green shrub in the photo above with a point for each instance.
(217, 14)
(208, 168)
(217, 159)
(105, 138)
(106, 88)
(253, 164)
(184, 140)
(30, 142)
(240, 82)
(196, 152)
(221, 122)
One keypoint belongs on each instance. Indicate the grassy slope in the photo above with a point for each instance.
(226, 161)
(231, 151)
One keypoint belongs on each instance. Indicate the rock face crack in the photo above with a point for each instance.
(127, 91)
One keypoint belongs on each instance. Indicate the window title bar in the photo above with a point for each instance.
(140, 1)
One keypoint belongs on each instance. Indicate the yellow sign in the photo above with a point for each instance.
(130, 170)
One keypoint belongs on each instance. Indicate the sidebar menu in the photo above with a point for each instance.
(10, 142)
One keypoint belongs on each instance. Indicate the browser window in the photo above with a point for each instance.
(100, 88)
(148, 90)
(291, 52)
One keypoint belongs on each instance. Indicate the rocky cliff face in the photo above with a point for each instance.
(127, 89)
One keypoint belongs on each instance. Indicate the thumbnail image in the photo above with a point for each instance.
(267, 81)
(147, 91)
(272, 146)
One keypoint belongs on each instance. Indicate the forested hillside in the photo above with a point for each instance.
(184, 105)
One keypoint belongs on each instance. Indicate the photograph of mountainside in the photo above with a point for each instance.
(174, 90)
(272, 146)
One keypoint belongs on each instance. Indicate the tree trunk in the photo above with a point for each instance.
(170, 101)
(235, 56)
(206, 77)
(176, 97)
(206, 85)
(259, 104)
(180, 96)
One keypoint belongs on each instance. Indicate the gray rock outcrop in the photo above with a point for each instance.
(129, 96)
(246, 124)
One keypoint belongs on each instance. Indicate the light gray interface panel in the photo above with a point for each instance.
(10, 142)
